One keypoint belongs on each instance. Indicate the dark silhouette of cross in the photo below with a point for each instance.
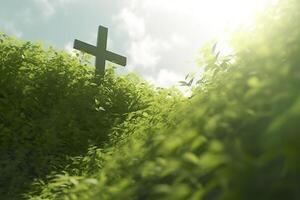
(100, 51)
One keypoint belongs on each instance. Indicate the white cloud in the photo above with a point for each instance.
(144, 51)
(188, 9)
(169, 33)
(168, 78)
(11, 28)
(69, 48)
(178, 40)
(165, 78)
(134, 25)
(48, 7)
(162, 34)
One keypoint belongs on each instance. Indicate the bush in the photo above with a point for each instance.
(237, 138)
(52, 107)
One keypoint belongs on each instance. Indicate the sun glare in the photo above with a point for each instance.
(224, 16)
(211, 19)
(230, 14)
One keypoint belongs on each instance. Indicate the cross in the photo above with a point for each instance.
(100, 51)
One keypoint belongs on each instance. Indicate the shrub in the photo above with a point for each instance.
(52, 107)
(237, 138)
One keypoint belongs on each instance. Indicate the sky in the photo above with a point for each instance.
(160, 38)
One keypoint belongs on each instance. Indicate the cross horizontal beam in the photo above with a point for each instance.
(87, 48)
(115, 58)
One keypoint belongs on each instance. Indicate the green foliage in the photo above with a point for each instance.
(52, 107)
(236, 138)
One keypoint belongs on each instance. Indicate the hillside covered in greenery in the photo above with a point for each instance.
(66, 134)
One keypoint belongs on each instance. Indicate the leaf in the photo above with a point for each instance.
(187, 76)
(183, 83)
(190, 82)
(213, 50)
(217, 55)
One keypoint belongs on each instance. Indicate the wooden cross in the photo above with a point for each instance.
(100, 51)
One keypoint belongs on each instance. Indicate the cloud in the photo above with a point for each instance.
(168, 78)
(134, 25)
(49, 7)
(178, 40)
(69, 48)
(11, 28)
(144, 50)
(46, 7)
(165, 78)
(143, 53)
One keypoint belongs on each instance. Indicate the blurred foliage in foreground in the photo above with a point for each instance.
(236, 138)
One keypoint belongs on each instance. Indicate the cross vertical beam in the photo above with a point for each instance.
(100, 51)
(101, 45)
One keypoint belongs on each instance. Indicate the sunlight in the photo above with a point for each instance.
(209, 19)
(226, 16)
(229, 14)
(216, 13)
